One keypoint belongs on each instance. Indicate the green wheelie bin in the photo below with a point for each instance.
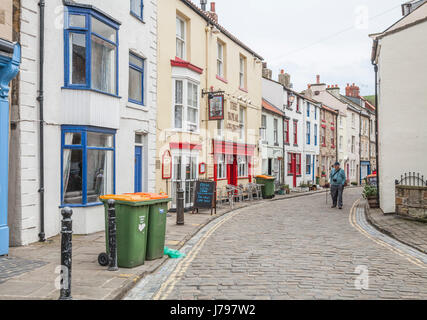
(268, 186)
(132, 220)
(157, 227)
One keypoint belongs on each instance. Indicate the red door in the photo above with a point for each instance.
(294, 169)
(232, 172)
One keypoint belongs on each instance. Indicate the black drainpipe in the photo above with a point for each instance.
(40, 99)
(377, 129)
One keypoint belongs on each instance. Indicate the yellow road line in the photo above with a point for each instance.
(353, 222)
(182, 267)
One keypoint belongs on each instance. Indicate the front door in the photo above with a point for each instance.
(294, 169)
(232, 170)
(185, 175)
(138, 169)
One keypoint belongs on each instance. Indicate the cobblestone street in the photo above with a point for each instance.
(293, 249)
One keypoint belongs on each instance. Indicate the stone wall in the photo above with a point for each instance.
(411, 202)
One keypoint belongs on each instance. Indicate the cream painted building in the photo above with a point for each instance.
(196, 56)
(6, 8)
(400, 54)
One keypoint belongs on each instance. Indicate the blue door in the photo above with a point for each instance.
(138, 169)
(9, 67)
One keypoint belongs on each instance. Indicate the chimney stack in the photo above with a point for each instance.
(352, 91)
(285, 79)
(212, 12)
(266, 73)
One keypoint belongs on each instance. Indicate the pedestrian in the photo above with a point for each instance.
(337, 180)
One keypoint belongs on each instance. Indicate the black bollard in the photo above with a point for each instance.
(112, 236)
(66, 254)
(180, 207)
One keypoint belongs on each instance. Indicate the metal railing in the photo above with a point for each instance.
(411, 179)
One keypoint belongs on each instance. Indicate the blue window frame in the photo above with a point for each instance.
(315, 113)
(308, 132)
(308, 164)
(137, 9)
(136, 79)
(87, 165)
(308, 110)
(91, 43)
(315, 134)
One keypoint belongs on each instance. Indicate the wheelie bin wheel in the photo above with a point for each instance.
(103, 259)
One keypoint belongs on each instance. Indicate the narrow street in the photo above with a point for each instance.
(294, 249)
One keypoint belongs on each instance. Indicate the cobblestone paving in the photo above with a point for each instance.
(293, 249)
(12, 267)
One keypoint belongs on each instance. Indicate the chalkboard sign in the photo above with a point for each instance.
(205, 196)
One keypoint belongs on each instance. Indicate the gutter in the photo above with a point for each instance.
(40, 99)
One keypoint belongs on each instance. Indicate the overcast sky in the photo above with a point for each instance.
(309, 37)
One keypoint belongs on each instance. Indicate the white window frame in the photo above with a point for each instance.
(263, 131)
(220, 59)
(185, 105)
(242, 121)
(276, 130)
(221, 171)
(181, 39)
(242, 73)
(242, 163)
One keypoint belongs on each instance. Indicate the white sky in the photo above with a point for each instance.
(310, 37)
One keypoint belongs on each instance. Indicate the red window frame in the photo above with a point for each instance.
(298, 163)
(298, 103)
(286, 130)
(295, 132)
(323, 136)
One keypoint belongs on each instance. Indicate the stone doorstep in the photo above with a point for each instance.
(388, 232)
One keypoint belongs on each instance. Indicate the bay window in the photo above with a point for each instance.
(88, 167)
(186, 105)
(91, 50)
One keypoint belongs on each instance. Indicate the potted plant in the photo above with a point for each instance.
(304, 187)
(354, 184)
(285, 188)
(370, 193)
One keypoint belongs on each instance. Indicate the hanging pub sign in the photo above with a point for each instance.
(167, 165)
(216, 107)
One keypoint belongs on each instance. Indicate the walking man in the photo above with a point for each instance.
(337, 179)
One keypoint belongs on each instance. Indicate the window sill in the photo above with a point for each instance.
(243, 89)
(136, 106)
(222, 79)
(93, 90)
(89, 205)
(186, 131)
(140, 19)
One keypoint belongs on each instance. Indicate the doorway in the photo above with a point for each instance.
(138, 168)
(184, 175)
(232, 170)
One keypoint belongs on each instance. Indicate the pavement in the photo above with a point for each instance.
(413, 233)
(31, 272)
(294, 249)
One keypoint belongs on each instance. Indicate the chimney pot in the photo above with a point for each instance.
(282, 71)
(318, 79)
(212, 6)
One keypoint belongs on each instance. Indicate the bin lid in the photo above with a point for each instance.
(150, 196)
(125, 197)
(265, 177)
